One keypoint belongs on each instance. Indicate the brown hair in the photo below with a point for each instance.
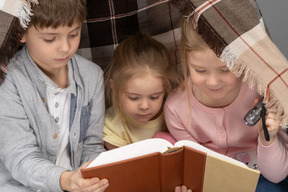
(54, 13)
(134, 55)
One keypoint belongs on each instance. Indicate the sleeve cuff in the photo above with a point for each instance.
(53, 178)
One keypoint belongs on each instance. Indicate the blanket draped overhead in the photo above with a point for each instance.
(233, 30)
(14, 19)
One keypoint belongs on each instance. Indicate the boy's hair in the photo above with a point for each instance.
(56, 13)
(135, 55)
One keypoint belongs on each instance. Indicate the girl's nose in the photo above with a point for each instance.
(212, 79)
(144, 105)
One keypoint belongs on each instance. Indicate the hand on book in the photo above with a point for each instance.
(182, 188)
(73, 181)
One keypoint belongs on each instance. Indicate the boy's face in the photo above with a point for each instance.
(213, 84)
(52, 48)
(143, 97)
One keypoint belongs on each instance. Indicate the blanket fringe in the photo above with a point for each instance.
(229, 57)
(271, 101)
(25, 11)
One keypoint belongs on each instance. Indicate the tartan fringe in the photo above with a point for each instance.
(229, 57)
(271, 101)
(25, 11)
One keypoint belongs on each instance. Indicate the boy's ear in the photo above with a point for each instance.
(23, 39)
(111, 82)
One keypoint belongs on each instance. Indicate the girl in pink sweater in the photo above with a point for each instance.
(209, 109)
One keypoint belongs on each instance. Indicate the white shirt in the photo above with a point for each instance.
(58, 101)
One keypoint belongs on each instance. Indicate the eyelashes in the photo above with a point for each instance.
(72, 36)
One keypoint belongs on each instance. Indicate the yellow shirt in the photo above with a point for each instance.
(121, 132)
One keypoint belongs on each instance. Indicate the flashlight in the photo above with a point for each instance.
(253, 116)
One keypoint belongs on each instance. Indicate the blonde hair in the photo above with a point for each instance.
(132, 56)
(55, 13)
(190, 40)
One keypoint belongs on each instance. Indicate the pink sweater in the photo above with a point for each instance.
(224, 131)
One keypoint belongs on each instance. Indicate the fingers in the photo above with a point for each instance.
(100, 186)
(185, 189)
(84, 165)
(103, 184)
(79, 184)
(90, 185)
(272, 122)
(178, 189)
(182, 188)
(256, 100)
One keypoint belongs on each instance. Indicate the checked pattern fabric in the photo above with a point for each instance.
(111, 21)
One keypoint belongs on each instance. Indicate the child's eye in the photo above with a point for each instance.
(154, 97)
(49, 40)
(133, 98)
(200, 71)
(74, 35)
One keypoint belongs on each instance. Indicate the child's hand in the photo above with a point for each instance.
(182, 189)
(273, 126)
(73, 181)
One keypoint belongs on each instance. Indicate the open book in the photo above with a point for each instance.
(155, 165)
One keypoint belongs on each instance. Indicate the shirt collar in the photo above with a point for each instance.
(53, 86)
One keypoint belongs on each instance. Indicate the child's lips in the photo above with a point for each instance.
(63, 59)
(215, 90)
(144, 115)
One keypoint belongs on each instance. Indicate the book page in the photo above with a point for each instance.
(199, 147)
(136, 149)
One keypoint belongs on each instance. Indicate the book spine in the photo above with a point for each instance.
(171, 170)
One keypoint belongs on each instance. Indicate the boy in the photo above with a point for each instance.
(52, 105)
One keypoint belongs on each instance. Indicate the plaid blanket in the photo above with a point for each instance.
(111, 21)
(10, 35)
(233, 31)
(14, 19)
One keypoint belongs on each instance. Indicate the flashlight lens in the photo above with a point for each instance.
(252, 116)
